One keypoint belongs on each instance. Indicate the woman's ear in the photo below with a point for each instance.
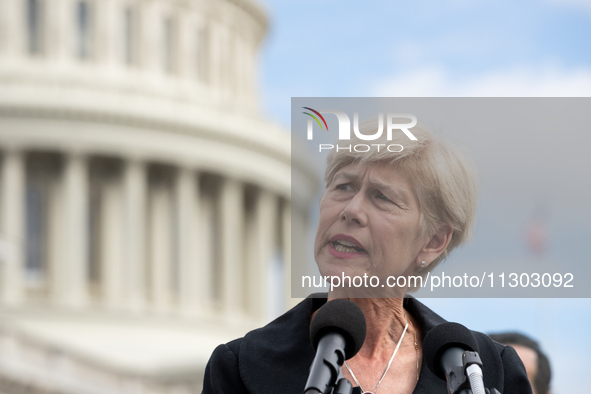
(437, 244)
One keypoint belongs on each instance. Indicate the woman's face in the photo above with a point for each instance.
(369, 223)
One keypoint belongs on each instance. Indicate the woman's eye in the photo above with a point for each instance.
(381, 196)
(344, 186)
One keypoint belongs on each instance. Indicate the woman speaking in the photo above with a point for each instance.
(382, 214)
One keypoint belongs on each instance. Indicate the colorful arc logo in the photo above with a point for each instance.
(315, 118)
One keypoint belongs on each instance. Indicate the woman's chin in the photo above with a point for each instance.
(336, 267)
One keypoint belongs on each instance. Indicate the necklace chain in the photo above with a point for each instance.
(389, 362)
(416, 348)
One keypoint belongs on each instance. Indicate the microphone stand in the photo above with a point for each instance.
(457, 383)
(326, 376)
(467, 379)
(343, 386)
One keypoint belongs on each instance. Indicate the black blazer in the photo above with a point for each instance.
(276, 358)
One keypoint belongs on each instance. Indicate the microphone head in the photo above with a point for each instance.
(443, 337)
(343, 317)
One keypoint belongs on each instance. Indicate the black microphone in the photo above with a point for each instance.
(451, 353)
(337, 333)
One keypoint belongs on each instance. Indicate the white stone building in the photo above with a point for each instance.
(143, 197)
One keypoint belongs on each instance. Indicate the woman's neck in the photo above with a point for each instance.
(385, 319)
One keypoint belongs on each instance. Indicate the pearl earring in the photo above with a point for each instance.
(423, 264)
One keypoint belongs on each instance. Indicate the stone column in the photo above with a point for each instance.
(206, 228)
(230, 57)
(232, 223)
(193, 275)
(61, 30)
(13, 23)
(251, 65)
(215, 66)
(57, 241)
(160, 246)
(13, 227)
(240, 70)
(299, 249)
(109, 33)
(265, 229)
(135, 192)
(227, 56)
(204, 53)
(75, 264)
(185, 46)
(150, 37)
(112, 244)
(286, 246)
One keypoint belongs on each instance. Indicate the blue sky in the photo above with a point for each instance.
(455, 48)
(452, 48)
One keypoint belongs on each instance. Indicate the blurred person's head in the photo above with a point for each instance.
(441, 176)
(535, 361)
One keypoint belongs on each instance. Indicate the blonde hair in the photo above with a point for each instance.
(443, 175)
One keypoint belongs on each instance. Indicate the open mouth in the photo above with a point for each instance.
(346, 247)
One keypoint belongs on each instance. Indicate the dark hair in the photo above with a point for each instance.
(544, 373)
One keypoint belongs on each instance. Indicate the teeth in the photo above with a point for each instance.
(345, 249)
(346, 243)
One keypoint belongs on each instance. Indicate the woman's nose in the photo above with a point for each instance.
(354, 212)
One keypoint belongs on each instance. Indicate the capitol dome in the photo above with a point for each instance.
(144, 198)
